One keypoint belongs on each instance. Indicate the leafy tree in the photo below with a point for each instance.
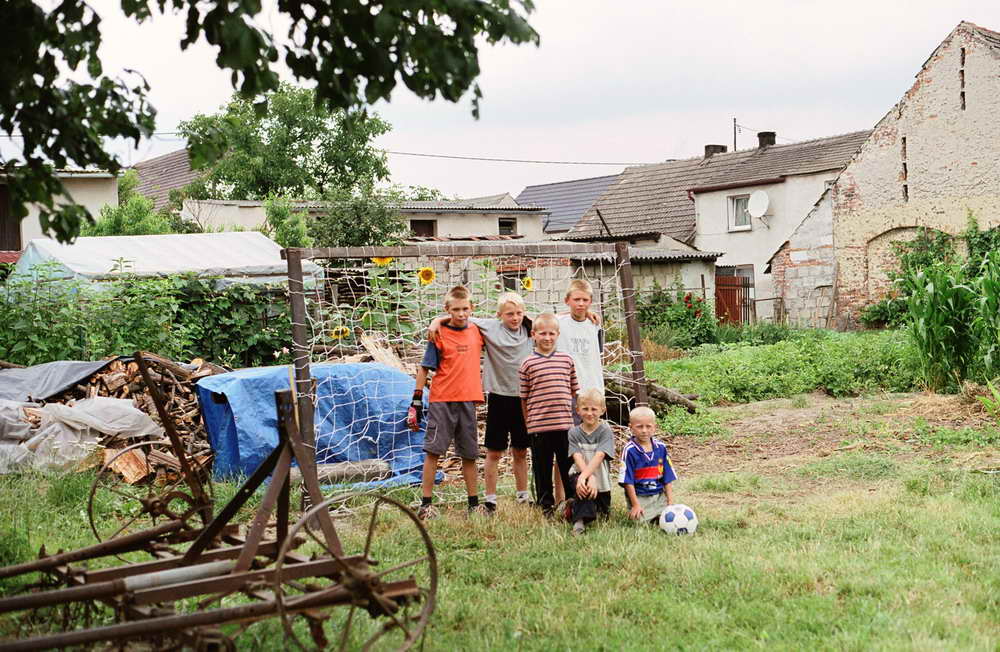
(284, 224)
(55, 96)
(368, 217)
(294, 147)
(134, 214)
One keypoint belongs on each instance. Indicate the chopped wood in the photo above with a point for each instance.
(380, 351)
(132, 465)
(10, 365)
(659, 397)
(114, 380)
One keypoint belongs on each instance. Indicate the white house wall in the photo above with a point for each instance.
(789, 202)
(467, 224)
(92, 192)
(229, 217)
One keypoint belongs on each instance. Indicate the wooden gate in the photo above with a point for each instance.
(734, 299)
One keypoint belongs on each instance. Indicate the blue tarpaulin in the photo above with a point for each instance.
(360, 414)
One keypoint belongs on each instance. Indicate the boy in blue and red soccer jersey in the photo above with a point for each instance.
(646, 472)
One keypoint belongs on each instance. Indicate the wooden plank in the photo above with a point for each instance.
(132, 466)
(380, 351)
(464, 249)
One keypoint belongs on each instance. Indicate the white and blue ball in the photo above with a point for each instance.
(678, 519)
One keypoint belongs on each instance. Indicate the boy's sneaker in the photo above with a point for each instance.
(578, 528)
(479, 510)
(524, 499)
(491, 508)
(427, 512)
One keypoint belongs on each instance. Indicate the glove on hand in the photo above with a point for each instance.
(416, 412)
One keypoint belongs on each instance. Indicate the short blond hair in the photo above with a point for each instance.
(544, 319)
(641, 411)
(509, 297)
(457, 293)
(579, 285)
(592, 395)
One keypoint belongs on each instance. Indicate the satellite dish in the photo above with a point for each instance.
(759, 201)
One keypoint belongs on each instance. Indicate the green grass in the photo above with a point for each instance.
(703, 423)
(889, 554)
(967, 437)
(841, 364)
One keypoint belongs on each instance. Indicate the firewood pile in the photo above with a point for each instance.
(121, 379)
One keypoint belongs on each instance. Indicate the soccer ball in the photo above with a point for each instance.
(678, 519)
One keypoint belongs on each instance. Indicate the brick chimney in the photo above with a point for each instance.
(765, 138)
(714, 149)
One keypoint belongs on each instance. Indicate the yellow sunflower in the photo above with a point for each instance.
(527, 283)
(340, 332)
(426, 275)
(382, 262)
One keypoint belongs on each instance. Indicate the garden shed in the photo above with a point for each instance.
(232, 257)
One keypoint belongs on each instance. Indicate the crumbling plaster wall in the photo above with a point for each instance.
(803, 268)
(927, 163)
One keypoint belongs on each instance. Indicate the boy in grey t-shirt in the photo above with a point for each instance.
(508, 343)
(591, 445)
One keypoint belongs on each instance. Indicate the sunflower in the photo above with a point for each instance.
(527, 283)
(382, 262)
(426, 275)
(340, 332)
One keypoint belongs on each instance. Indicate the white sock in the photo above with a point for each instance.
(491, 498)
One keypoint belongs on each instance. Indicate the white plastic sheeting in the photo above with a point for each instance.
(236, 257)
(68, 433)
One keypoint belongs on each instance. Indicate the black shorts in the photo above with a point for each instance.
(505, 423)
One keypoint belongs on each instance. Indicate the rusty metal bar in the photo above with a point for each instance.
(260, 519)
(192, 479)
(236, 581)
(126, 543)
(167, 624)
(116, 587)
(118, 572)
(226, 513)
(632, 322)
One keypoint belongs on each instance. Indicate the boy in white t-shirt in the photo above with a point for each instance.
(583, 340)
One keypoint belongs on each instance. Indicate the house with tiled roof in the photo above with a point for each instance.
(705, 203)
(931, 162)
(93, 189)
(565, 201)
(161, 174)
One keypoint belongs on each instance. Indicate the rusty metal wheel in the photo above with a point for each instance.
(384, 592)
(116, 508)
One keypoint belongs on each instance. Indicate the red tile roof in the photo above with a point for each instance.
(9, 256)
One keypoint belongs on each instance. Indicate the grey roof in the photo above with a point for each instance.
(653, 199)
(493, 203)
(655, 255)
(566, 201)
(158, 176)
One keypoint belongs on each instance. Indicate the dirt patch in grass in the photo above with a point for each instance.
(780, 434)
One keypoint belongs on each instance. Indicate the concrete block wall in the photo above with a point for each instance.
(934, 157)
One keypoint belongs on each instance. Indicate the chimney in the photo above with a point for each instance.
(714, 149)
(765, 138)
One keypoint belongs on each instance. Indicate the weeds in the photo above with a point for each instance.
(727, 483)
(678, 422)
(855, 466)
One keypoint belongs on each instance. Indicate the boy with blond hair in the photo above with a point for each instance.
(646, 471)
(508, 342)
(455, 391)
(548, 385)
(591, 446)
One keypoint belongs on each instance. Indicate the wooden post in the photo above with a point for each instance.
(704, 294)
(631, 321)
(300, 345)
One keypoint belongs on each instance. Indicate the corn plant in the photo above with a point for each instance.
(943, 309)
(988, 320)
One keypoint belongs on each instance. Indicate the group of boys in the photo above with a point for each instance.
(544, 389)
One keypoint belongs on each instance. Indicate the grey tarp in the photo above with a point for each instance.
(43, 381)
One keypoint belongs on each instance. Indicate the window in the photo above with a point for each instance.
(10, 227)
(511, 276)
(424, 227)
(507, 226)
(739, 216)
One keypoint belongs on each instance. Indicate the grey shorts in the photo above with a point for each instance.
(452, 420)
(652, 506)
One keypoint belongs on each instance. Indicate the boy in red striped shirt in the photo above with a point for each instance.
(548, 385)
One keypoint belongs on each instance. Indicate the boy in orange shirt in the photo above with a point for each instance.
(455, 391)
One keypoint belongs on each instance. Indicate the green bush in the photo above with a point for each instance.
(840, 364)
(689, 317)
(890, 312)
(179, 317)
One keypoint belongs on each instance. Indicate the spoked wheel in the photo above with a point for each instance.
(384, 591)
(116, 508)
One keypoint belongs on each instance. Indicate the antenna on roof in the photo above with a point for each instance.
(603, 222)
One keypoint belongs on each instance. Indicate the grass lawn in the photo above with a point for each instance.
(824, 523)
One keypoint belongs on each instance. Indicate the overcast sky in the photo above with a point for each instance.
(618, 81)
